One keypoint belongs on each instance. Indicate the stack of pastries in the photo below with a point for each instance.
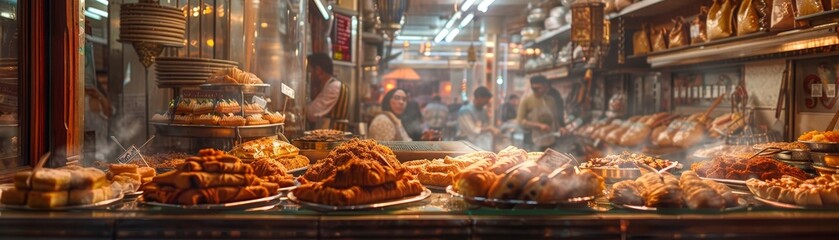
(51, 188)
(213, 177)
(130, 176)
(817, 192)
(514, 175)
(268, 148)
(273, 171)
(441, 172)
(357, 172)
(736, 168)
(667, 191)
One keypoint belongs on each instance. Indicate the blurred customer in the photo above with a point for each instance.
(387, 126)
(329, 107)
(508, 109)
(412, 119)
(473, 121)
(435, 114)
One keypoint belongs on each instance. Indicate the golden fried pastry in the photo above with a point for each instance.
(355, 195)
(365, 150)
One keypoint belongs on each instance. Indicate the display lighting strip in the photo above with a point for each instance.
(449, 31)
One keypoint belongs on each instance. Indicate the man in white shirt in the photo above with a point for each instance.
(329, 108)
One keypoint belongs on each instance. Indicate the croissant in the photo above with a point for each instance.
(474, 183)
(363, 173)
(626, 192)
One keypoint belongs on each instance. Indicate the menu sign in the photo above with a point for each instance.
(342, 38)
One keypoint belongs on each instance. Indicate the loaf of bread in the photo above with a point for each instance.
(51, 180)
(87, 178)
(14, 196)
(50, 199)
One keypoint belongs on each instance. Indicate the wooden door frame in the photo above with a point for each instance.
(65, 112)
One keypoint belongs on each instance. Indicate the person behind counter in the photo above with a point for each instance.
(329, 108)
(473, 121)
(386, 126)
(536, 113)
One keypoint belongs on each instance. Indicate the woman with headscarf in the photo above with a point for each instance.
(387, 126)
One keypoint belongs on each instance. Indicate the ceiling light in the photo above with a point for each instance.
(322, 9)
(454, 18)
(466, 20)
(484, 6)
(441, 35)
(410, 38)
(452, 34)
(91, 15)
(466, 5)
(98, 12)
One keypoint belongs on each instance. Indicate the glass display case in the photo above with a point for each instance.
(10, 147)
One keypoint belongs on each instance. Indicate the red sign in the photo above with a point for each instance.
(342, 38)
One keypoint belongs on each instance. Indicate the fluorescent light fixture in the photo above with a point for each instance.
(452, 34)
(410, 38)
(466, 5)
(322, 9)
(105, 2)
(451, 21)
(467, 19)
(9, 15)
(441, 35)
(98, 12)
(484, 6)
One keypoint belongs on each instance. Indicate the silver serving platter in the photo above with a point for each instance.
(438, 188)
(232, 87)
(66, 208)
(778, 204)
(818, 157)
(735, 184)
(511, 203)
(216, 131)
(798, 155)
(741, 204)
(423, 195)
(613, 175)
(830, 147)
(222, 206)
(297, 170)
(825, 170)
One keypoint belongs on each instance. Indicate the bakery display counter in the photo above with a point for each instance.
(439, 216)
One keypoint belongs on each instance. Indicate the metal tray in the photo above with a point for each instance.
(741, 204)
(133, 194)
(66, 208)
(223, 206)
(778, 204)
(207, 131)
(232, 87)
(735, 184)
(423, 195)
(825, 170)
(613, 175)
(297, 170)
(827, 147)
(797, 155)
(436, 188)
(512, 203)
(818, 157)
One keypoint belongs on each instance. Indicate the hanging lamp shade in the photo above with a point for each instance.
(403, 74)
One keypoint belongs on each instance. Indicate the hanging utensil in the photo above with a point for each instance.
(782, 96)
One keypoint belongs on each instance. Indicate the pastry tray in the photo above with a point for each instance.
(423, 195)
(741, 204)
(778, 204)
(232, 87)
(614, 175)
(66, 208)
(216, 131)
(511, 203)
(258, 202)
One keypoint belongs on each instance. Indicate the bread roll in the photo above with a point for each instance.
(51, 180)
(146, 172)
(87, 178)
(51, 199)
(474, 183)
(14, 196)
(117, 169)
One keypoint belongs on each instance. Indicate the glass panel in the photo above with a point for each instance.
(9, 46)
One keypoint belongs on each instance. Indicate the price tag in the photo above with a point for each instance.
(130, 154)
(831, 90)
(816, 90)
(694, 30)
(554, 159)
(287, 91)
(259, 101)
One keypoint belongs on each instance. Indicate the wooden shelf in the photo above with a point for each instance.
(649, 8)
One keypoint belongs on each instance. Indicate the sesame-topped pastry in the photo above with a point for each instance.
(256, 120)
(206, 119)
(203, 106)
(232, 120)
(274, 117)
(161, 117)
(183, 119)
(253, 108)
(186, 105)
(228, 106)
